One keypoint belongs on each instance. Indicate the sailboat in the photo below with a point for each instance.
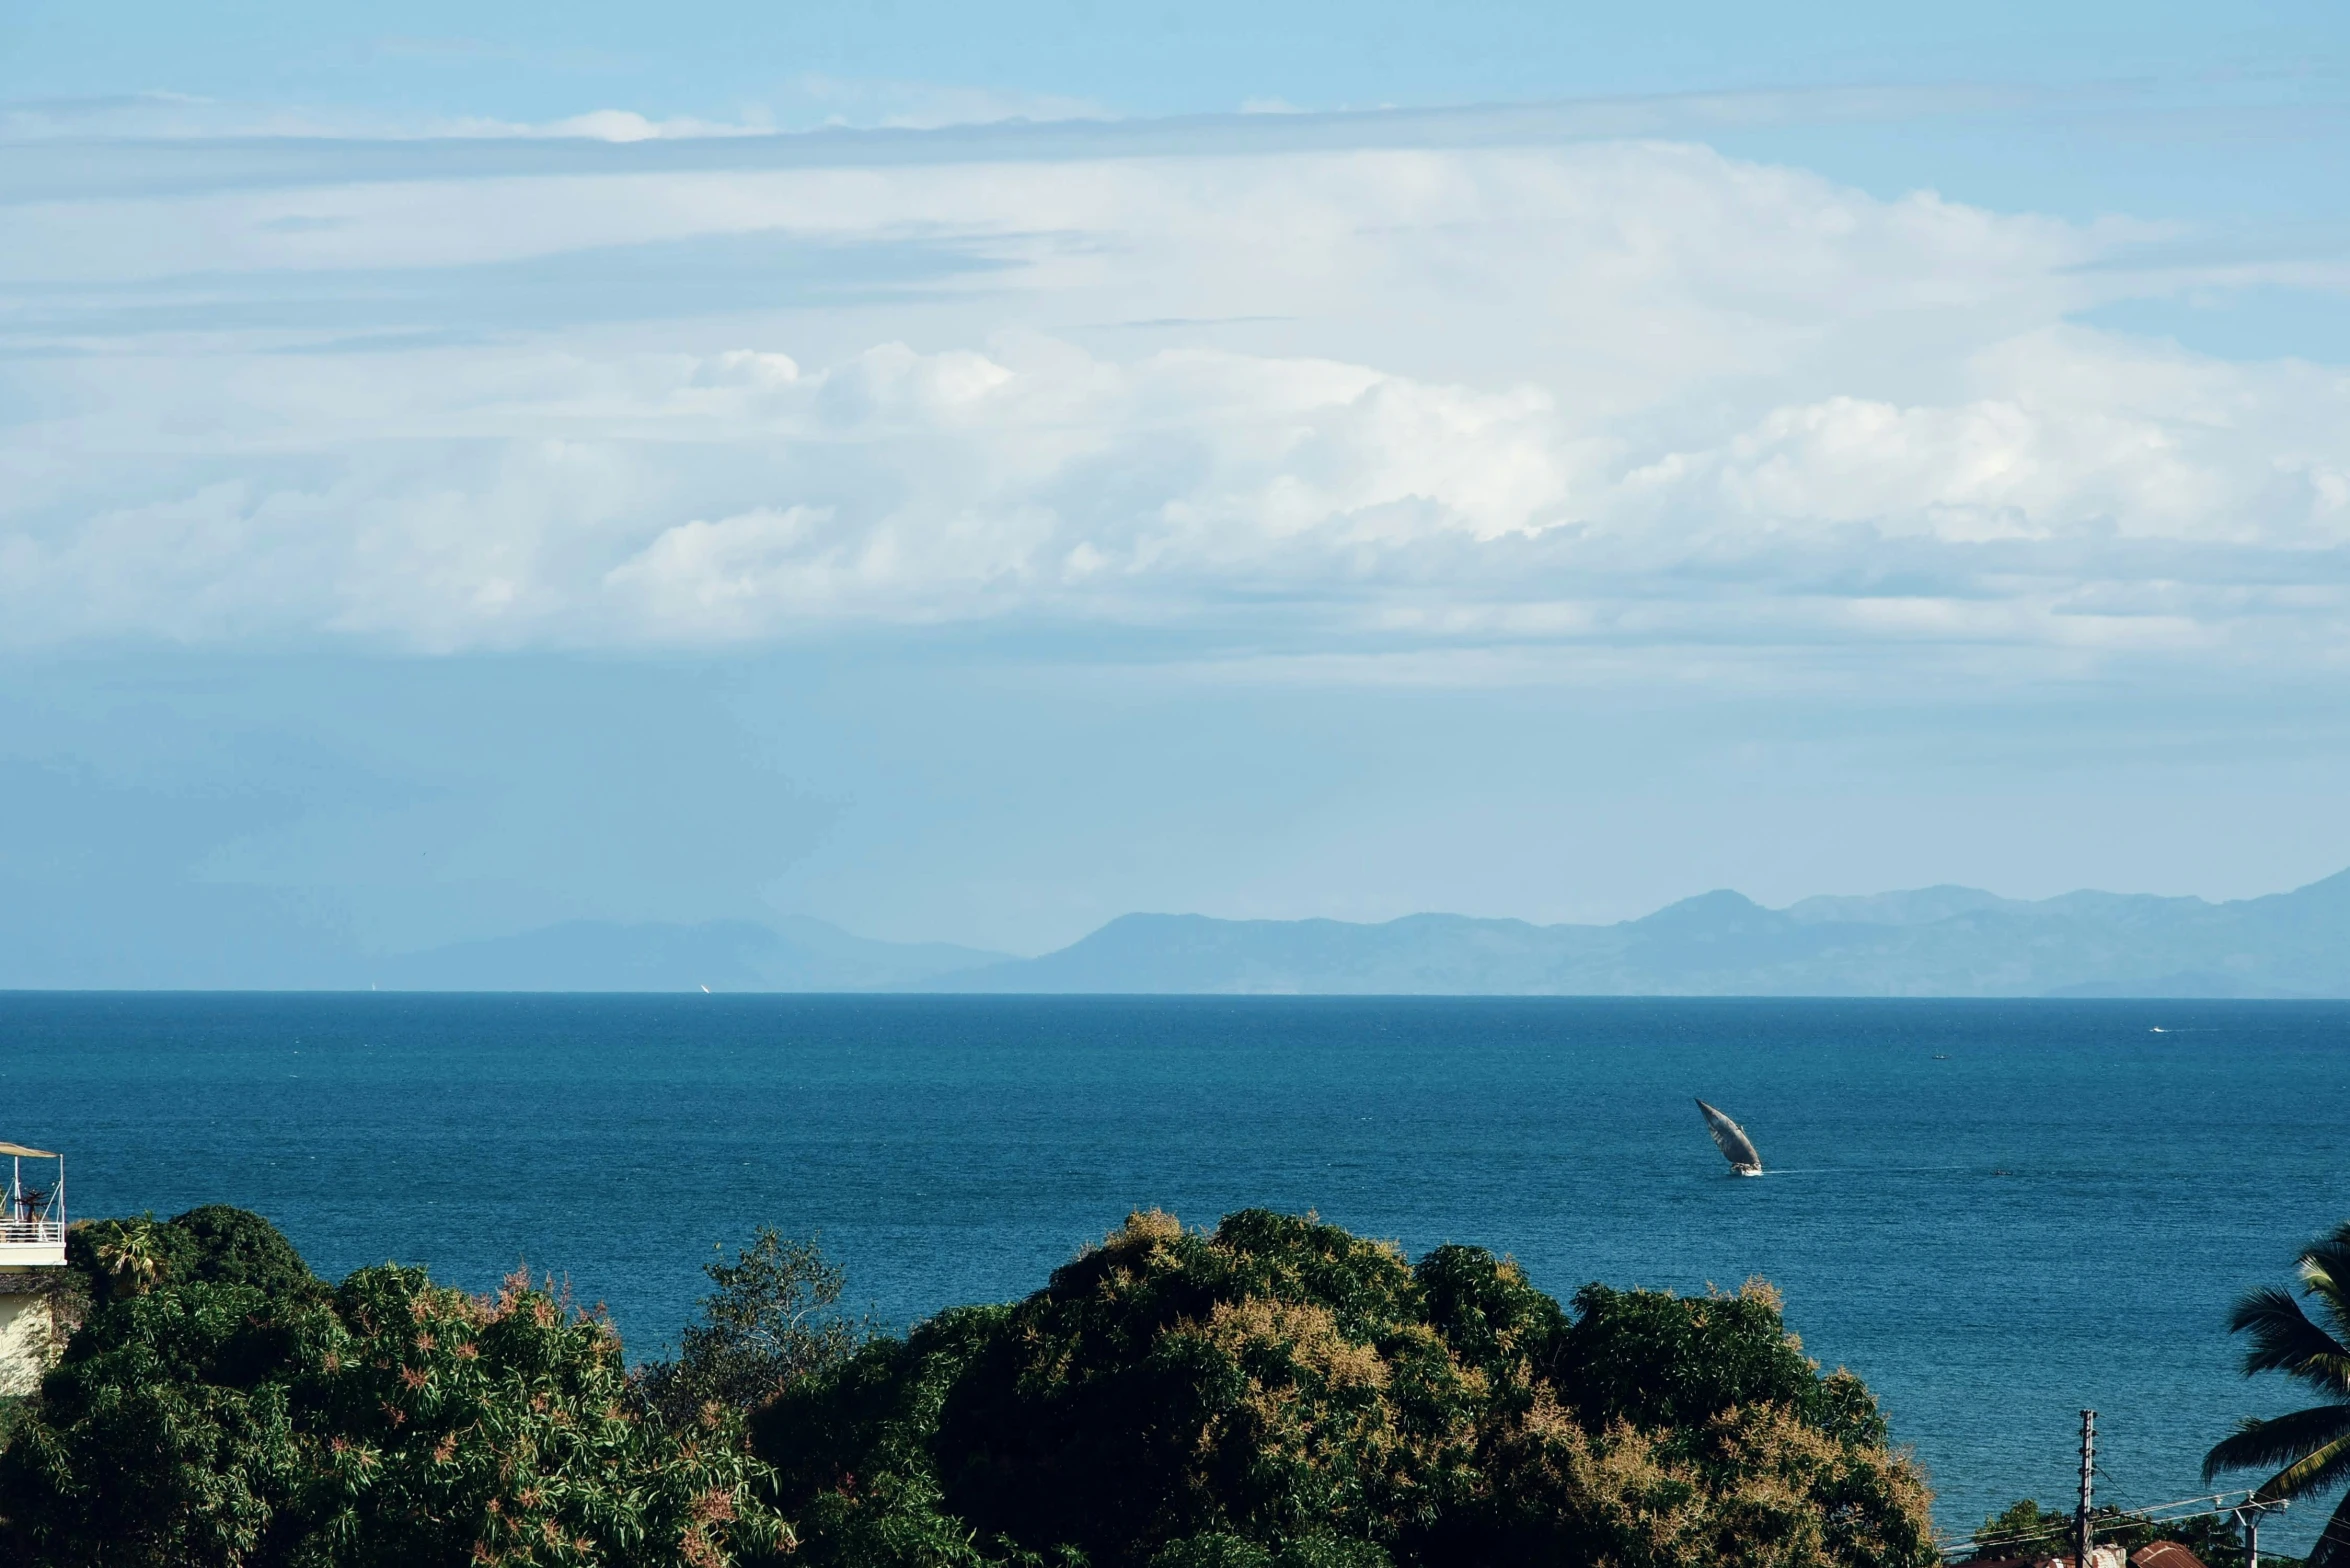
(1731, 1139)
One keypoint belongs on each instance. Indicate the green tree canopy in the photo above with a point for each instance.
(1281, 1394)
(214, 1244)
(218, 1409)
(771, 1320)
(1276, 1393)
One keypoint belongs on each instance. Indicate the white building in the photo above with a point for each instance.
(32, 1263)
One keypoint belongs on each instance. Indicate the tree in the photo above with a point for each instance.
(212, 1421)
(445, 1428)
(1275, 1393)
(772, 1320)
(2024, 1529)
(1278, 1393)
(2309, 1450)
(127, 1261)
(213, 1244)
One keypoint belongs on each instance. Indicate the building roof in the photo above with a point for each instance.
(2164, 1554)
(2105, 1556)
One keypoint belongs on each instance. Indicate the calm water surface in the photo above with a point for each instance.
(1996, 1213)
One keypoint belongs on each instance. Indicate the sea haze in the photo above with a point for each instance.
(1996, 1212)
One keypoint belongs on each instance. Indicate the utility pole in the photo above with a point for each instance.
(2248, 1515)
(2088, 1473)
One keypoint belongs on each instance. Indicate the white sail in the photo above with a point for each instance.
(1731, 1139)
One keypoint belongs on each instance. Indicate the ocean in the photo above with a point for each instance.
(1997, 1213)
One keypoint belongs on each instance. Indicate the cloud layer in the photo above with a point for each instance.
(1624, 398)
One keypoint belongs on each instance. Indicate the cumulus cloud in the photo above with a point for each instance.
(1629, 396)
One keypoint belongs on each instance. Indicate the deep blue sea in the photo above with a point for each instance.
(1995, 1212)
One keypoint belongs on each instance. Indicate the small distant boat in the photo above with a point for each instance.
(1731, 1139)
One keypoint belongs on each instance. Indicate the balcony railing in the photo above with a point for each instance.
(31, 1233)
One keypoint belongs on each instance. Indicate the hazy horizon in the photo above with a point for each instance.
(1944, 941)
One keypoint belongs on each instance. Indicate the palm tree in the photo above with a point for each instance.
(2312, 1446)
(130, 1259)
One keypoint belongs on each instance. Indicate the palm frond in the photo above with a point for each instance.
(2283, 1440)
(2333, 1543)
(2284, 1340)
(2320, 1470)
(2325, 1276)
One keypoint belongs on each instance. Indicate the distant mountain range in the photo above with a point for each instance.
(1938, 941)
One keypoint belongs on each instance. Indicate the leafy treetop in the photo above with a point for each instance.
(218, 1409)
(1279, 1393)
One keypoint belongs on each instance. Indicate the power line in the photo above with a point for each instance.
(2209, 1505)
(2122, 1519)
(2105, 1471)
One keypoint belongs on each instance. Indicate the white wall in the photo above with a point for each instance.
(24, 1342)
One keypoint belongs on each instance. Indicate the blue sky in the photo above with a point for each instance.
(967, 473)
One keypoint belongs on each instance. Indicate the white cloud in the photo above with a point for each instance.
(1616, 396)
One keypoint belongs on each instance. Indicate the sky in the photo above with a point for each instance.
(967, 473)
